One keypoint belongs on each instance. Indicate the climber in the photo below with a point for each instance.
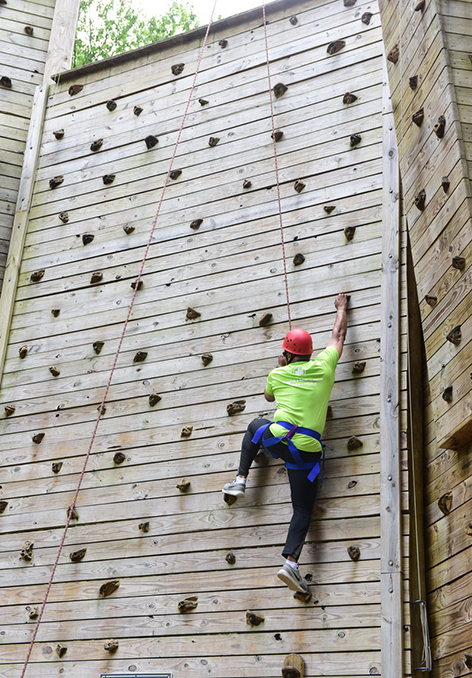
(301, 388)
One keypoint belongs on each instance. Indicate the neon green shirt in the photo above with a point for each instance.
(301, 392)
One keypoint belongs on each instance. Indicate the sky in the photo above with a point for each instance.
(202, 8)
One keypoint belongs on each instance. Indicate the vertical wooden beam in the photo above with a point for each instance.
(61, 42)
(390, 488)
(20, 222)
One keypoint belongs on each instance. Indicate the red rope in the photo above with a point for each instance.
(279, 201)
(120, 343)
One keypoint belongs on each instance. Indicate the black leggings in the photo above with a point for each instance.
(303, 492)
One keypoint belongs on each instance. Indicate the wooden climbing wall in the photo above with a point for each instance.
(161, 544)
(24, 39)
(434, 48)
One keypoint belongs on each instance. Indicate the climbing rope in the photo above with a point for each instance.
(128, 316)
(276, 164)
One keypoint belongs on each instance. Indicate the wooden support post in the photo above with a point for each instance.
(20, 222)
(61, 41)
(390, 479)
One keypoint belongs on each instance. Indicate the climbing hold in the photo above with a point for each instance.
(440, 126)
(366, 17)
(56, 466)
(137, 110)
(29, 30)
(111, 646)
(212, 141)
(188, 604)
(111, 105)
(26, 552)
(277, 135)
(418, 117)
(455, 336)
(33, 612)
(445, 183)
(56, 181)
(230, 558)
(9, 410)
(144, 527)
(77, 556)
(135, 285)
(299, 186)
(37, 438)
(329, 208)
(87, 238)
(102, 409)
(236, 407)
(97, 346)
(419, 7)
(253, 619)
(5, 81)
(280, 89)
(298, 259)
(109, 587)
(96, 277)
(119, 458)
(394, 54)
(177, 69)
(349, 98)
(23, 351)
(206, 358)
(72, 513)
(154, 398)
(247, 183)
(37, 275)
(355, 140)
(108, 179)
(294, 666)
(335, 46)
(175, 174)
(196, 223)
(349, 232)
(229, 499)
(445, 503)
(186, 432)
(183, 485)
(3, 505)
(349, 3)
(75, 89)
(151, 141)
(354, 553)
(468, 660)
(202, 102)
(223, 43)
(55, 312)
(59, 133)
(329, 412)
(429, 299)
(420, 200)
(304, 596)
(64, 217)
(354, 444)
(128, 229)
(61, 650)
(459, 263)
(293, 20)
(192, 314)
(265, 320)
(358, 367)
(413, 81)
(140, 357)
(447, 394)
(96, 145)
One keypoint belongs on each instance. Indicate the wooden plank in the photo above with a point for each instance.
(61, 42)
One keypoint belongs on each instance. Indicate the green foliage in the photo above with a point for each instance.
(109, 27)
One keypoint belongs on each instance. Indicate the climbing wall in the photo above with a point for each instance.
(431, 79)
(205, 329)
(24, 38)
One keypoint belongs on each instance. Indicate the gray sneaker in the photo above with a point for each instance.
(292, 578)
(235, 488)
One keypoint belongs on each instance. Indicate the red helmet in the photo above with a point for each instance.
(298, 342)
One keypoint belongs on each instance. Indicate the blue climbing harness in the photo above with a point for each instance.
(299, 464)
